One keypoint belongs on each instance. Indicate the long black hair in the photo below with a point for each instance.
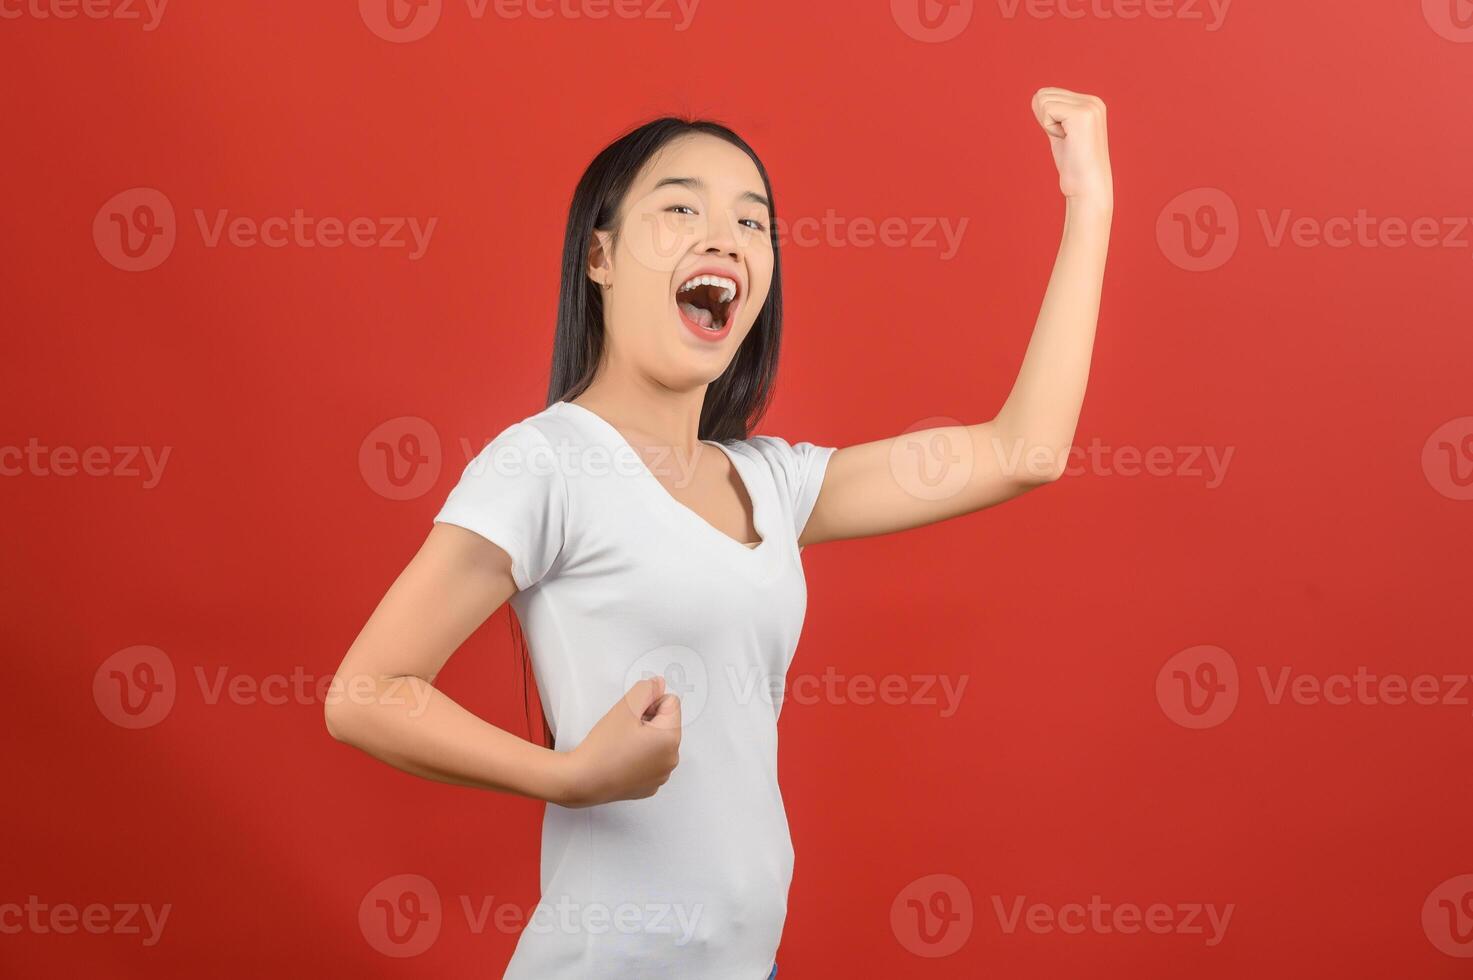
(736, 401)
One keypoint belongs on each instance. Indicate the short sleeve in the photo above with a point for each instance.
(798, 469)
(514, 495)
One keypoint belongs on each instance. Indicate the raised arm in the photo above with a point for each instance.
(930, 475)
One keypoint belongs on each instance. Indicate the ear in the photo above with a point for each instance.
(600, 269)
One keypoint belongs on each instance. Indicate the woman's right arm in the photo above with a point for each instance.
(383, 700)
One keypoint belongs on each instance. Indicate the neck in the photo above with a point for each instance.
(649, 415)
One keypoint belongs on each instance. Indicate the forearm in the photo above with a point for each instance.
(1041, 412)
(413, 726)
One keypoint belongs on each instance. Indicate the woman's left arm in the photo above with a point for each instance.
(930, 475)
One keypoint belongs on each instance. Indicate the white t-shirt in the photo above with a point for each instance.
(618, 582)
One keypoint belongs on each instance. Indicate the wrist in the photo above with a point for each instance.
(566, 781)
(1099, 204)
(1088, 220)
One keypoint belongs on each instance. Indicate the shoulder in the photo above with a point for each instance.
(514, 493)
(547, 432)
(531, 452)
(781, 455)
(795, 469)
(550, 426)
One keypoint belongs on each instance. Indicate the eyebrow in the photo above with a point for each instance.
(696, 183)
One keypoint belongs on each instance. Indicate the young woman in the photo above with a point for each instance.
(649, 545)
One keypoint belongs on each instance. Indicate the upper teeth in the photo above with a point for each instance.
(728, 286)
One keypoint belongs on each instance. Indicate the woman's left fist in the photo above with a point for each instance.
(1075, 125)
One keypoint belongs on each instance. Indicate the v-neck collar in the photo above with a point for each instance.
(738, 464)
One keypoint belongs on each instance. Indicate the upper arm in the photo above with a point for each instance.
(449, 588)
(500, 530)
(917, 478)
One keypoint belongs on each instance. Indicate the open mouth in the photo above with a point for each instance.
(707, 301)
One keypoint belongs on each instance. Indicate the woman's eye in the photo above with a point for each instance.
(685, 209)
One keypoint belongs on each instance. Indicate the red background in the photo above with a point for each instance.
(1326, 547)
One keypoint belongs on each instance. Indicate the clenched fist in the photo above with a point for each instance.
(632, 750)
(1075, 125)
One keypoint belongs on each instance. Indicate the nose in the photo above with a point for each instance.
(721, 238)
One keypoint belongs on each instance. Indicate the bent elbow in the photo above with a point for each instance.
(1032, 477)
(1028, 462)
(337, 717)
(1050, 475)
